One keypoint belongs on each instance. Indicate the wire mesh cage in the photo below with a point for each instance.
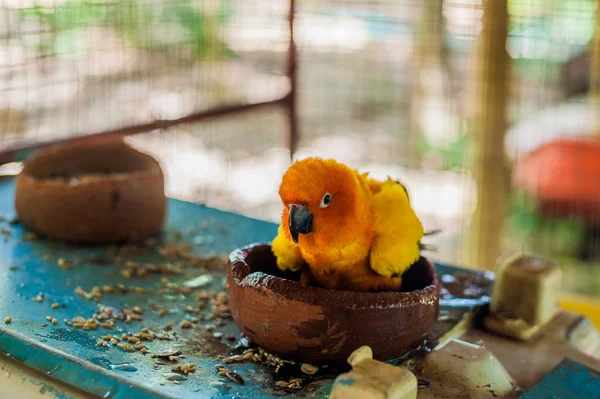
(221, 92)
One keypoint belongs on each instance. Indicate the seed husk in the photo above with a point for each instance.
(282, 384)
(167, 354)
(308, 368)
(55, 305)
(108, 325)
(235, 377)
(185, 324)
(232, 359)
(8, 320)
(174, 377)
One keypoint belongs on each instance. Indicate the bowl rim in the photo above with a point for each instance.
(151, 168)
(293, 290)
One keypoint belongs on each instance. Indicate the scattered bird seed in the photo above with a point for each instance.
(108, 325)
(65, 264)
(185, 324)
(126, 347)
(49, 318)
(167, 354)
(7, 320)
(55, 305)
(185, 368)
(282, 384)
(236, 358)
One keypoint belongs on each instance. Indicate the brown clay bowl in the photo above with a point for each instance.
(93, 191)
(317, 325)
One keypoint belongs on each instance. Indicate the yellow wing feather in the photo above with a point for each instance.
(287, 252)
(398, 231)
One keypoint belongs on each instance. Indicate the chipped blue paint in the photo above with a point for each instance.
(71, 355)
(569, 379)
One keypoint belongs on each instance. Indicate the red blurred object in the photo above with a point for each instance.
(564, 176)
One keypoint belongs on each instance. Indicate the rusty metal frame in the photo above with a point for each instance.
(19, 151)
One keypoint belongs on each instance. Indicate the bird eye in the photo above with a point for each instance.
(326, 200)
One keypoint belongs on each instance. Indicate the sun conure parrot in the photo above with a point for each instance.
(344, 230)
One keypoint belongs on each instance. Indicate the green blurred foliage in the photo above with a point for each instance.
(544, 234)
(454, 154)
(152, 26)
(571, 20)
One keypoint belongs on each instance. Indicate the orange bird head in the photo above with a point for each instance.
(324, 202)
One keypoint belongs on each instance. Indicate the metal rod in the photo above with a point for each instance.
(292, 73)
(20, 150)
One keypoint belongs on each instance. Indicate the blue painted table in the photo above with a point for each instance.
(29, 267)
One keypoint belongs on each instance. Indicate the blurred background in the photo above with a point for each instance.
(488, 111)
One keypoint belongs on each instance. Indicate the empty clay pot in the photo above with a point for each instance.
(92, 191)
(317, 325)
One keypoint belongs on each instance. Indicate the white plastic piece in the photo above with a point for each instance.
(463, 367)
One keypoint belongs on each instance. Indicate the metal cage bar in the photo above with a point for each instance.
(22, 150)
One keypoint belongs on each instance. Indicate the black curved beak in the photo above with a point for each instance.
(300, 221)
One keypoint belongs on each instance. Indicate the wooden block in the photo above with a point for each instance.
(372, 379)
(525, 296)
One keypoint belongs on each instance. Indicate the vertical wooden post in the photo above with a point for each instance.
(292, 72)
(428, 58)
(489, 166)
